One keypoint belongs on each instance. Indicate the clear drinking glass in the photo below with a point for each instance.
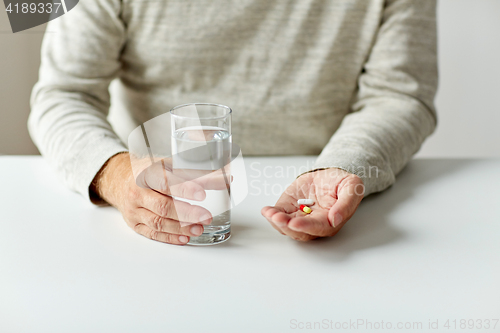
(201, 148)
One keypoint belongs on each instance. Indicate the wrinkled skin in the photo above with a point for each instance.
(337, 195)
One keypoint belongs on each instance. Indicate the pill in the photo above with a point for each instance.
(307, 202)
(305, 209)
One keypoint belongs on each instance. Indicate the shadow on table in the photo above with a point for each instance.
(370, 226)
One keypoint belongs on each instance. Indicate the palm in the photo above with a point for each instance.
(326, 188)
(306, 187)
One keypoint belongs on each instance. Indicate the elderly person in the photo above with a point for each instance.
(351, 80)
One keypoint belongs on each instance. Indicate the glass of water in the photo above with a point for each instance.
(201, 152)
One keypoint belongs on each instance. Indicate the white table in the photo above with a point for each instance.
(426, 249)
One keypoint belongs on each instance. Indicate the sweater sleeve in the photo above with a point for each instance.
(70, 102)
(393, 110)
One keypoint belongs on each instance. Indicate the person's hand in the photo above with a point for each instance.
(336, 194)
(152, 212)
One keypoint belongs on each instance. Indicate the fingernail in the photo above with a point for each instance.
(337, 219)
(199, 196)
(196, 230)
(205, 217)
(183, 239)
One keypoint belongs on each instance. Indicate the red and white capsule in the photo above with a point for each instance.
(305, 209)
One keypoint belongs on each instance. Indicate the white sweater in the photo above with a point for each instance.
(351, 80)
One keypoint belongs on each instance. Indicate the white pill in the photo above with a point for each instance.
(307, 202)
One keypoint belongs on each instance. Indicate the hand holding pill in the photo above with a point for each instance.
(316, 204)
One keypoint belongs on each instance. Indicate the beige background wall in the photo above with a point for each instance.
(468, 101)
(19, 61)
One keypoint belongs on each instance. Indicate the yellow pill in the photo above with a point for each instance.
(306, 210)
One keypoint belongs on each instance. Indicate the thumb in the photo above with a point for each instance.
(348, 198)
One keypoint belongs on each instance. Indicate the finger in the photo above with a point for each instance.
(217, 180)
(276, 217)
(316, 226)
(266, 212)
(185, 183)
(349, 195)
(287, 202)
(167, 207)
(167, 225)
(297, 235)
(158, 178)
(185, 189)
(164, 237)
(276, 228)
